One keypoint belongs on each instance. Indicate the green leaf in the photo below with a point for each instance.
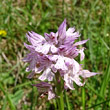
(17, 96)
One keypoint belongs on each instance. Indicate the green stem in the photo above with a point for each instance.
(59, 91)
(61, 101)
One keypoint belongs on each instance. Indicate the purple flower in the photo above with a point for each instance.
(39, 63)
(35, 39)
(44, 87)
(41, 44)
(53, 56)
(74, 73)
(62, 32)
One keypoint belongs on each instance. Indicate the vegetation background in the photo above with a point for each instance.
(90, 17)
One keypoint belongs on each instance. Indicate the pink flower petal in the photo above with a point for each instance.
(51, 95)
(60, 64)
(82, 55)
(68, 82)
(76, 67)
(70, 30)
(35, 39)
(43, 48)
(62, 31)
(29, 47)
(47, 74)
(31, 75)
(87, 73)
(80, 42)
(77, 80)
(54, 49)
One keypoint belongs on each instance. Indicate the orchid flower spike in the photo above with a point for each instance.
(52, 57)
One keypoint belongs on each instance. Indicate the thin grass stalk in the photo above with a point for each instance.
(33, 98)
(105, 79)
(83, 98)
(4, 104)
(99, 104)
(63, 4)
(83, 89)
(55, 104)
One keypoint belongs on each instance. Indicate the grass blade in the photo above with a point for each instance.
(12, 106)
(67, 101)
(83, 98)
(98, 104)
(105, 79)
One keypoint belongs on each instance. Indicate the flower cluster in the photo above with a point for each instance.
(53, 55)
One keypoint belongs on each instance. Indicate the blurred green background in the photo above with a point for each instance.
(90, 17)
